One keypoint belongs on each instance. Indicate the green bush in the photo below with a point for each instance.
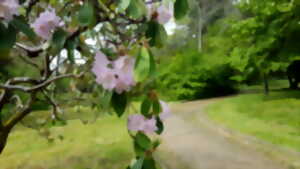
(193, 75)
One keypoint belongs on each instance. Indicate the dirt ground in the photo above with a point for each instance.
(189, 146)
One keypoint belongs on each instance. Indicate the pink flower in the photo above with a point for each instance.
(45, 24)
(166, 112)
(8, 8)
(124, 68)
(104, 75)
(164, 14)
(138, 122)
(117, 75)
(149, 126)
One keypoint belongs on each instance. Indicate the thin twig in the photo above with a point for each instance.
(38, 86)
(55, 107)
(29, 61)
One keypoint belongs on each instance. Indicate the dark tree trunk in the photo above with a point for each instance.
(266, 84)
(3, 139)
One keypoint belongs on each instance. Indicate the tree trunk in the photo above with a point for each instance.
(200, 27)
(3, 139)
(266, 84)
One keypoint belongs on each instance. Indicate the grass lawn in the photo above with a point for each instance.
(274, 118)
(104, 144)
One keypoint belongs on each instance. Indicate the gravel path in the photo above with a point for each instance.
(189, 146)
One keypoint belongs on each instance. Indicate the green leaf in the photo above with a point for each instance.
(123, 4)
(119, 103)
(105, 99)
(145, 106)
(156, 143)
(139, 151)
(152, 71)
(143, 141)
(142, 66)
(284, 7)
(160, 125)
(86, 15)
(20, 24)
(138, 164)
(149, 163)
(181, 8)
(157, 34)
(58, 41)
(136, 9)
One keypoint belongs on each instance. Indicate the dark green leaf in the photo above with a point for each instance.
(143, 141)
(119, 103)
(20, 24)
(181, 8)
(149, 163)
(156, 33)
(156, 107)
(8, 36)
(71, 46)
(40, 105)
(58, 41)
(145, 106)
(8, 39)
(86, 14)
(159, 125)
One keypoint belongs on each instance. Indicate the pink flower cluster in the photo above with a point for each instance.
(8, 8)
(162, 14)
(45, 24)
(138, 122)
(115, 75)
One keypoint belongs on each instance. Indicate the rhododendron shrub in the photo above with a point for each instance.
(113, 40)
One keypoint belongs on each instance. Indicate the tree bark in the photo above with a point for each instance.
(3, 139)
(200, 27)
(266, 84)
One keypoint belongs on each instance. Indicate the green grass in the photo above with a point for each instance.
(104, 144)
(274, 118)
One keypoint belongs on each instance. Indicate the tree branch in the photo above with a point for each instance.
(32, 51)
(19, 116)
(38, 86)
